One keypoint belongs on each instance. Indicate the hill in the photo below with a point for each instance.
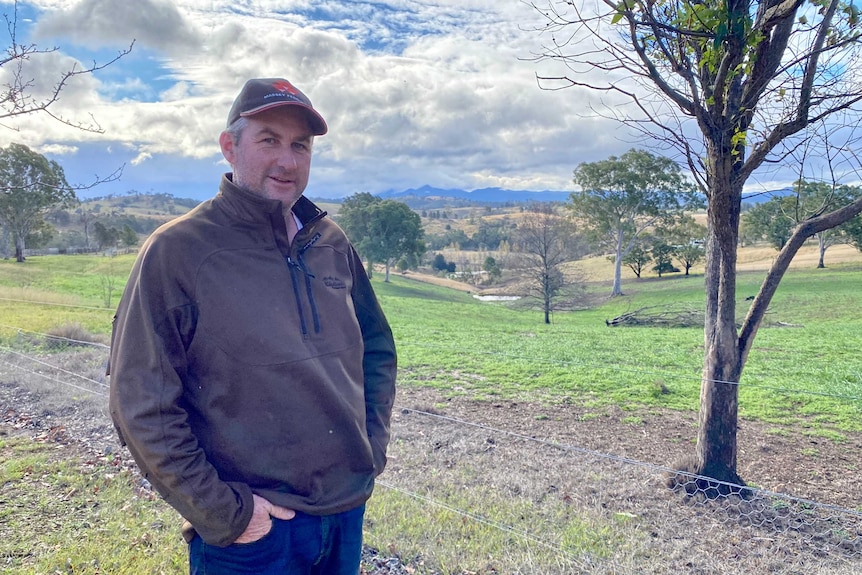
(428, 197)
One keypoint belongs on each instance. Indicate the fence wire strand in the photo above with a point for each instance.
(591, 512)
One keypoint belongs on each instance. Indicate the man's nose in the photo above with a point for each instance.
(288, 160)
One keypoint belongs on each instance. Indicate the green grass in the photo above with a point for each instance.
(59, 509)
(485, 541)
(89, 518)
(808, 376)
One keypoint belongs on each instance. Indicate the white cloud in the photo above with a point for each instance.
(141, 158)
(435, 92)
(57, 149)
(156, 24)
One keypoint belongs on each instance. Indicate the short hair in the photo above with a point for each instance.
(235, 129)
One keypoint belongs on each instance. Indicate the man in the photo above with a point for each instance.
(252, 369)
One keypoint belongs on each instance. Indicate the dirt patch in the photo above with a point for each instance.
(438, 281)
(781, 460)
(603, 464)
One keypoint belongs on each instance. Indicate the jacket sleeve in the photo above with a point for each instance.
(154, 324)
(379, 362)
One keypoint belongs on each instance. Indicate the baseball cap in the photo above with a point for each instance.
(261, 94)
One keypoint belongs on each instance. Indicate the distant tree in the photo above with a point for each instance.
(449, 238)
(776, 219)
(4, 242)
(439, 262)
(128, 236)
(354, 216)
(59, 217)
(662, 255)
(636, 259)
(492, 268)
(622, 197)
(30, 187)
(396, 232)
(106, 237)
(489, 235)
(41, 235)
(687, 238)
(815, 198)
(770, 221)
(689, 255)
(854, 232)
(546, 241)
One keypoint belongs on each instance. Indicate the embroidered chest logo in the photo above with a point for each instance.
(333, 283)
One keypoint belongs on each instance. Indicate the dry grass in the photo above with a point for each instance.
(475, 500)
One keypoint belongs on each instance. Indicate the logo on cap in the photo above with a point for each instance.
(285, 86)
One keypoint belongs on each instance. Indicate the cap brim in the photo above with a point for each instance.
(315, 120)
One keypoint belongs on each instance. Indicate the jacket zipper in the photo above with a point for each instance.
(296, 266)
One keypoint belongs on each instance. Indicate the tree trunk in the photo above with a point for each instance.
(717, 421)
(386, 279)
(726, 348)
(19, 248)
(618, 267)
(821, 244)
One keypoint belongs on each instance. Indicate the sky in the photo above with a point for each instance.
(415, 92)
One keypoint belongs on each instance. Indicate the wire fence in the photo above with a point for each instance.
(493, 500)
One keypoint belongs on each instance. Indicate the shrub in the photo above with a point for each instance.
(71, 334)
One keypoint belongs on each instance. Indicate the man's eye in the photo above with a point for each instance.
(301, 146)
(269, 140)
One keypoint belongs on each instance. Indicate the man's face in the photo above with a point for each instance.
(273, 155)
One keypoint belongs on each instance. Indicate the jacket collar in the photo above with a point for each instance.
(251, 207)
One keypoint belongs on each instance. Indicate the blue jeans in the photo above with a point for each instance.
(304, 545)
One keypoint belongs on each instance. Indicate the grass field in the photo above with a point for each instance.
(448, 339)
(805, 377)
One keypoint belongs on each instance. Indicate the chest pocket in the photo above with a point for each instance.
(253, 310)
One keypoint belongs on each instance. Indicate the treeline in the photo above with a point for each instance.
(490, 235)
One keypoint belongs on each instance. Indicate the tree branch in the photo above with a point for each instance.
(802, 232)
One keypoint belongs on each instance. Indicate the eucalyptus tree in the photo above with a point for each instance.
(731, 85)
(776, 219)
(687, 238)
(769, 221)
(383, 231)
(813, 198)
(30, 187)
(854, 232)
(621, 198)
(354, 216)
(395, 232)
(637, 259)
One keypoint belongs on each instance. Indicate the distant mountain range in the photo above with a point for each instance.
(430, 197)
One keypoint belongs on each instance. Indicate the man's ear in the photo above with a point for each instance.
(226, 142)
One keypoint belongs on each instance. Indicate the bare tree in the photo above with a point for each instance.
(545, 241)
(22, 95)
(17, 94)
(731, 85)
